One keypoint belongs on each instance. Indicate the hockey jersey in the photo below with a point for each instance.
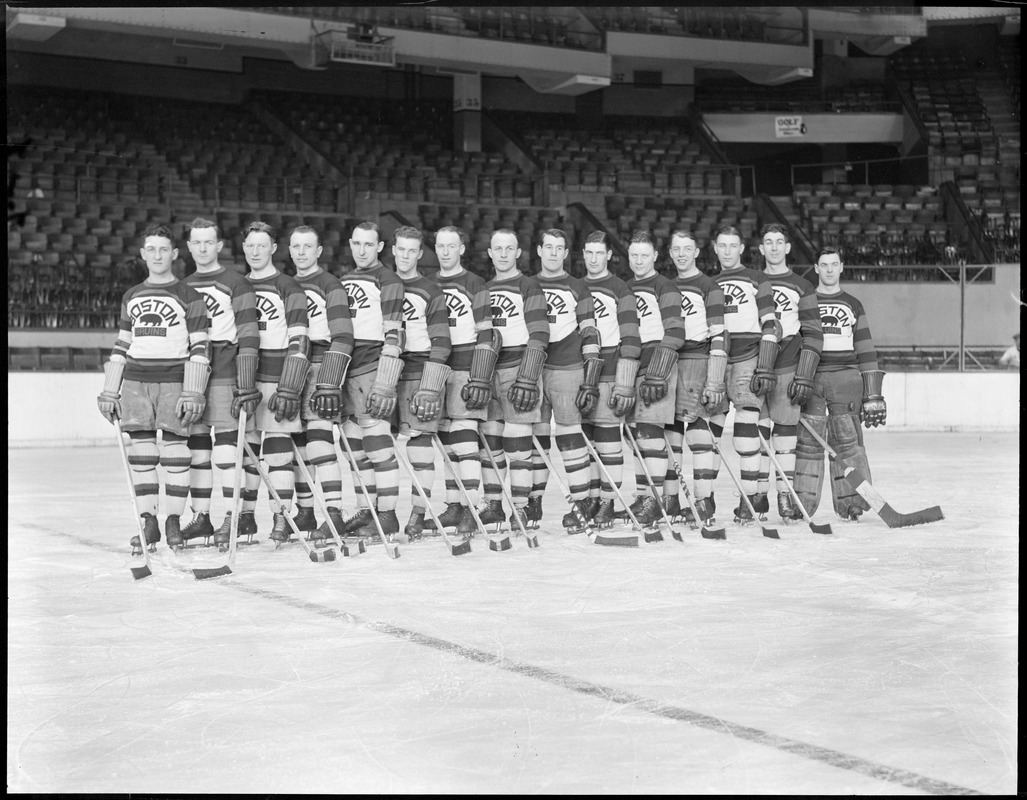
(470, 315)
(426, 322)
(232, 313)
(282, 322)
(617, 320)
(847, 339)
(329, 324)
(659, 315)
(519, 314)
(702, 310)
(569, 310)
(748, 306)
(376, 308)
(795, 306)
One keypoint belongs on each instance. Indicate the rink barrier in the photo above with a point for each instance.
(47, 409)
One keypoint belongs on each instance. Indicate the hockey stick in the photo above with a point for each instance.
(315, 556)
(318, 498)
(770, 533)
(824, 529)
(497, 543)
(626, 432)
(602, 467)
(203, 573)
(531, 539)
(138, 573)
(391, 549)
(891, 517)
(706, 533)
(456, 549)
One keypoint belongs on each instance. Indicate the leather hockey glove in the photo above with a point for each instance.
(286, 400)
(800, 390)
(245, 395)
(714, 389)
(622, 398)
(427, 400)
(326, 400)
(874, 410)
(588, 392)
(477, 392)
(764, 379)
(381, 400)
(193, 399)
(109, 400)
(654, 384)
(524, 394)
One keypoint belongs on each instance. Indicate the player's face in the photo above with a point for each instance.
(449, 248)
(365, 247)
(305, 250)
(683, 251)
(774, 248)
(407, 252)
(258, 249)
(642, 258)
(204, 246)
(729, 250)
(504, 252)
(829, 270)
(597, 258)
(553, 252)
(158, 254)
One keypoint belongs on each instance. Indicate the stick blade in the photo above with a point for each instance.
(460, 549)
(391, 550)
(609, 539)
(206, 573)
(652, 536)
(532, 540)
(770, 533)
(822, 529)
(500, 544)
(894, 519)
(713, 533)
(677, 535)
(138, 573)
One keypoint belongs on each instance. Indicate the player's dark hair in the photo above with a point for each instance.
(367, 225)
(157, 229)
(643, 237)
(307, 229)
(774, 227)
(684, 233)
(598, 237)
(201, 223)
(408, 232)
(727, 230)
(556, 233)
(260, 227)
(829, 251)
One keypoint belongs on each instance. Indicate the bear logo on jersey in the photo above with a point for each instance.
(358, 299)
(734, 296)
(503, 308)
(555, 305)
(149, 324)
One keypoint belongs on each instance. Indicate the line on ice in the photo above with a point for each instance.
(823, 755)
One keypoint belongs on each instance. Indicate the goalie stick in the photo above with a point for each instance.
(770, 533)
(138, 573)
(530, 538)
(318, 498)
(391, 548)
(706, 533)
(823, 529)
(317, 557)
(455, 549)
(866, 490)
(634, 520)
(203, 573)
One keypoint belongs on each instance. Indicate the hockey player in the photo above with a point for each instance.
(702, 365)
(846, 391)
(472, 361)
(369, 396)
(330, 330)
(519, 317)
(662, 332)
(570, 377)
(752, 351)
(234, 340)
(621, 347)
(281, 373)
(156, 380)
(420, 401)
(802, 340)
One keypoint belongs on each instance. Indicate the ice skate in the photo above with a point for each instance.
(707, 508)
(173, 533)
(649, 517)
(390, 526)
(491, 514)
(305, 520)
(449, 518)
(761, 503)
(604, 516)
(247, 529)
(414, 529)
(575, 521)
(467, 527)
(323, 534)
(198, 527)
(852, 514)
(672, 505)
(786, 507)
(356, 522)
(152, 532)
(743, 515)
(590, 508)
(534, 512)
(281, 533)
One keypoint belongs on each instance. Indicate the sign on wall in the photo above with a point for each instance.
(789, 127)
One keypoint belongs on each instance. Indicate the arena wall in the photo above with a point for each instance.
(49, 409)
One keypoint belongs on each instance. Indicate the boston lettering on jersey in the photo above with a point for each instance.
(152, 316)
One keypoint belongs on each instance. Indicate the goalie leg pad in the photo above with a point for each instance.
(809, 464)
(845, 435)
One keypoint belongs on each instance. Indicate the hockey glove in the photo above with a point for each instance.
(654, 384)
(193, 400)
(286, 400)
(800, 390)
(381, 400)
(477, 392)
(588, 392)
(109, 400)
(622, 398)
(764, 379)
(714, 389)
(427, 400)
(524, 394)
(326, 399)
(874, 411)
(245, 395)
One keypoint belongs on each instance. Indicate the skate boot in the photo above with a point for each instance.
(280, 531)
(247, 528)
(198, 526)
(852, 513)
(534, 512)
(152, 532)
(786, 507)
(522, 513)
(574, 521)
(491, 513)
(450, 518)
(672, 505)
(604, 516)
(389, 522)
(706, 507)
(466, 527)
(635, 507)
(590, 507)
(173, 532)
(414, 528)
(324, 533)
(761, 503)
(648, 513)
(304, 519)
(354, 524)
(742, 513)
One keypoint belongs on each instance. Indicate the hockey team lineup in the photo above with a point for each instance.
(283, 383)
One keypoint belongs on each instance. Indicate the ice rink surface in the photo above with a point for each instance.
(872, 661)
